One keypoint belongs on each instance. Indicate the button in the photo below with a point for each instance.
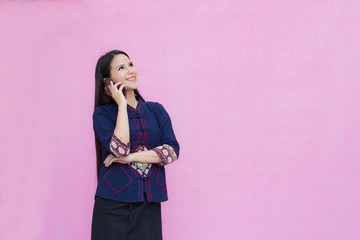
(139, 115)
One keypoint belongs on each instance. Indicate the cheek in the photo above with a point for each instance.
(122, 75)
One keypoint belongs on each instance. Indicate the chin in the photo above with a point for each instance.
(132, 86)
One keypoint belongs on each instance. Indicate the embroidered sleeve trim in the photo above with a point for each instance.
(166, 153)
(118, 147)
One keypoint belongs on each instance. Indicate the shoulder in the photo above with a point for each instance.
(159, 110)
(152, 103)
(156, 107)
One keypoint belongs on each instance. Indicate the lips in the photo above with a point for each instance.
(132, 79)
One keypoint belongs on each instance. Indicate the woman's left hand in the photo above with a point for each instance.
(124, 160)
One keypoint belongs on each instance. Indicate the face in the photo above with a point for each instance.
(123, 70)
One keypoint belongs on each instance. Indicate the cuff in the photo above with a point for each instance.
(166, 153)
(118, 148)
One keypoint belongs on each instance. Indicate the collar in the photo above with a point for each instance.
(136, 111)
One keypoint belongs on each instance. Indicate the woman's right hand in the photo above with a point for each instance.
(110, 159)
(117, 94)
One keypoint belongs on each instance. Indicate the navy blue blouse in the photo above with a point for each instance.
(150, 129)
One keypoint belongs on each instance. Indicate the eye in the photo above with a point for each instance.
(131, 65)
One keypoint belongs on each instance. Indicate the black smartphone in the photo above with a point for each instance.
(107, 87)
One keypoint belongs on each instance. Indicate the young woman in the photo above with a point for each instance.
(134, 140)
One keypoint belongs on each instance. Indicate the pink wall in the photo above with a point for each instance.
(263, 96)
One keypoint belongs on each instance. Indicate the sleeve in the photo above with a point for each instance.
(104, 131)
(170, 148)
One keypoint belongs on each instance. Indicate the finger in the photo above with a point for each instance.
(112, 90)
(119, 88)
(115, 86)
(112, 86)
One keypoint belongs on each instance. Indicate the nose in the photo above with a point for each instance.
(131, 70)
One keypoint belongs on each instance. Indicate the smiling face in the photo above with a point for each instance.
(123, 70)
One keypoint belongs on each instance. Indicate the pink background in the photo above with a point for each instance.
(263, 96)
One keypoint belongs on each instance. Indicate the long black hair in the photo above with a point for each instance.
(103, 71)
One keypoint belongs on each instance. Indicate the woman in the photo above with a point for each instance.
(134, 141)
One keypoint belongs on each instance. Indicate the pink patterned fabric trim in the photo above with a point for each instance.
(118, 148)
(166, 153)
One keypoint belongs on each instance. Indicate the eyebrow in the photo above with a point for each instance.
(123, 64)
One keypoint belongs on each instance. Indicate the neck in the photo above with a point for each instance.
(130, 98)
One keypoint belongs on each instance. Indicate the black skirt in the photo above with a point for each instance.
(122, 220)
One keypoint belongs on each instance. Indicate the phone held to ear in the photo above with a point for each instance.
(107, 87)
